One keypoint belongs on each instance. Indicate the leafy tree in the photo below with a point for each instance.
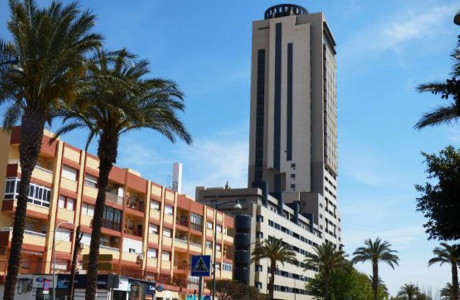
(327, 259)
(376, 251)
(439, 201)
(449, 88)
(344, 284)
(409, 291)
(118, 99)
(275, 250)
(49, 46)
(449, 254)
(233, 290)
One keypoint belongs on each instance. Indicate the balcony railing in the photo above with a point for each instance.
(195, 244)
(111, 225)
(27, 232)
(182, 241)
(16, 161)
(110, 248)
(135, 203)
(113, 198)
(196, 227)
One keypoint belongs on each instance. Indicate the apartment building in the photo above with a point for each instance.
(150, 230)
(259, 219)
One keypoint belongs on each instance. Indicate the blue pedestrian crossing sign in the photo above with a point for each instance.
(201, 265)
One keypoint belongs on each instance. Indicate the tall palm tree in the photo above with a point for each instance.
(449, 254)
(116, 100)
(449, 88)
(376, 251)
(49, 46)
(328, 260)
(408, 291)
(276, 251)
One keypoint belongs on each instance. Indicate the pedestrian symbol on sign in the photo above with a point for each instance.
(200, 266)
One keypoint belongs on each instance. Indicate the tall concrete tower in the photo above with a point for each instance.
(293, 133)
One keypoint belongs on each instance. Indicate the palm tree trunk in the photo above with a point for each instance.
(107, 152)
(272, 280)
(32, 127)
(454, 282)
(375, 279)
(327, 285)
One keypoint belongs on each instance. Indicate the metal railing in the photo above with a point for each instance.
(110, 248)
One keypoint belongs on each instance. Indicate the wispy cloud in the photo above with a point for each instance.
(398, 30)
(454, 135)
(214, 161)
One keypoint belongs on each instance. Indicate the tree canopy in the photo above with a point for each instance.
(439, 199)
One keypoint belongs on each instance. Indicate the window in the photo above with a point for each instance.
(87, 209)
(208, 225)
(69, 173)
(155, 205)
(259, 285)
(111, 218)
(62, 235)
(67, 203)
(169, 210)
(259, 268)
(227, 267)
(196, 222)
(293, 176)
(218, 266)
(167, 232)
(152, 253)
(208, 244)
(166, 256)
(219, 228)
(259, 235)
(260, 218)
(90, 180)
(153, 228)
(132, 250)
(218, 247)
(38, 195)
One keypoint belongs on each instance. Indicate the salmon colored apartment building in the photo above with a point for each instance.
(150, 230)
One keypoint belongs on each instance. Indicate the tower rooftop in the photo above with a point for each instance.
(283, 10)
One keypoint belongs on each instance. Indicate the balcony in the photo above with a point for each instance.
(31, 237)
(135, 203)
(152, 262)
(196, 227)
(153, 238)
(182, 220)
(38, 195)
(39, 172)
(68, 184)
(113, 198)
(111, 225)
(181, 243)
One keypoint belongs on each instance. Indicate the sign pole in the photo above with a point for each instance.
(200, 287)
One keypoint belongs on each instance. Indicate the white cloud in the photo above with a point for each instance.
(398, 30)
(213, 162)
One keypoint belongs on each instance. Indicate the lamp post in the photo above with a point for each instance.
(216, 205)
(54, 255)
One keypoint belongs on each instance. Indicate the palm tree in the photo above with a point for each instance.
(327, 259)
(49, 46)
(376, 251)
(118, 99)
(449, 254)
(448, 113)
(446, 292)
(408, 291)
(276, 251)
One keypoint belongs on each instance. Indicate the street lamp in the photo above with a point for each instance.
(237, 206)
(54, 255)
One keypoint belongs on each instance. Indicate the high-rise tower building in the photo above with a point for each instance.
(293, 133)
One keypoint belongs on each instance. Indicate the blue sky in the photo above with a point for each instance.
(385, 48)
